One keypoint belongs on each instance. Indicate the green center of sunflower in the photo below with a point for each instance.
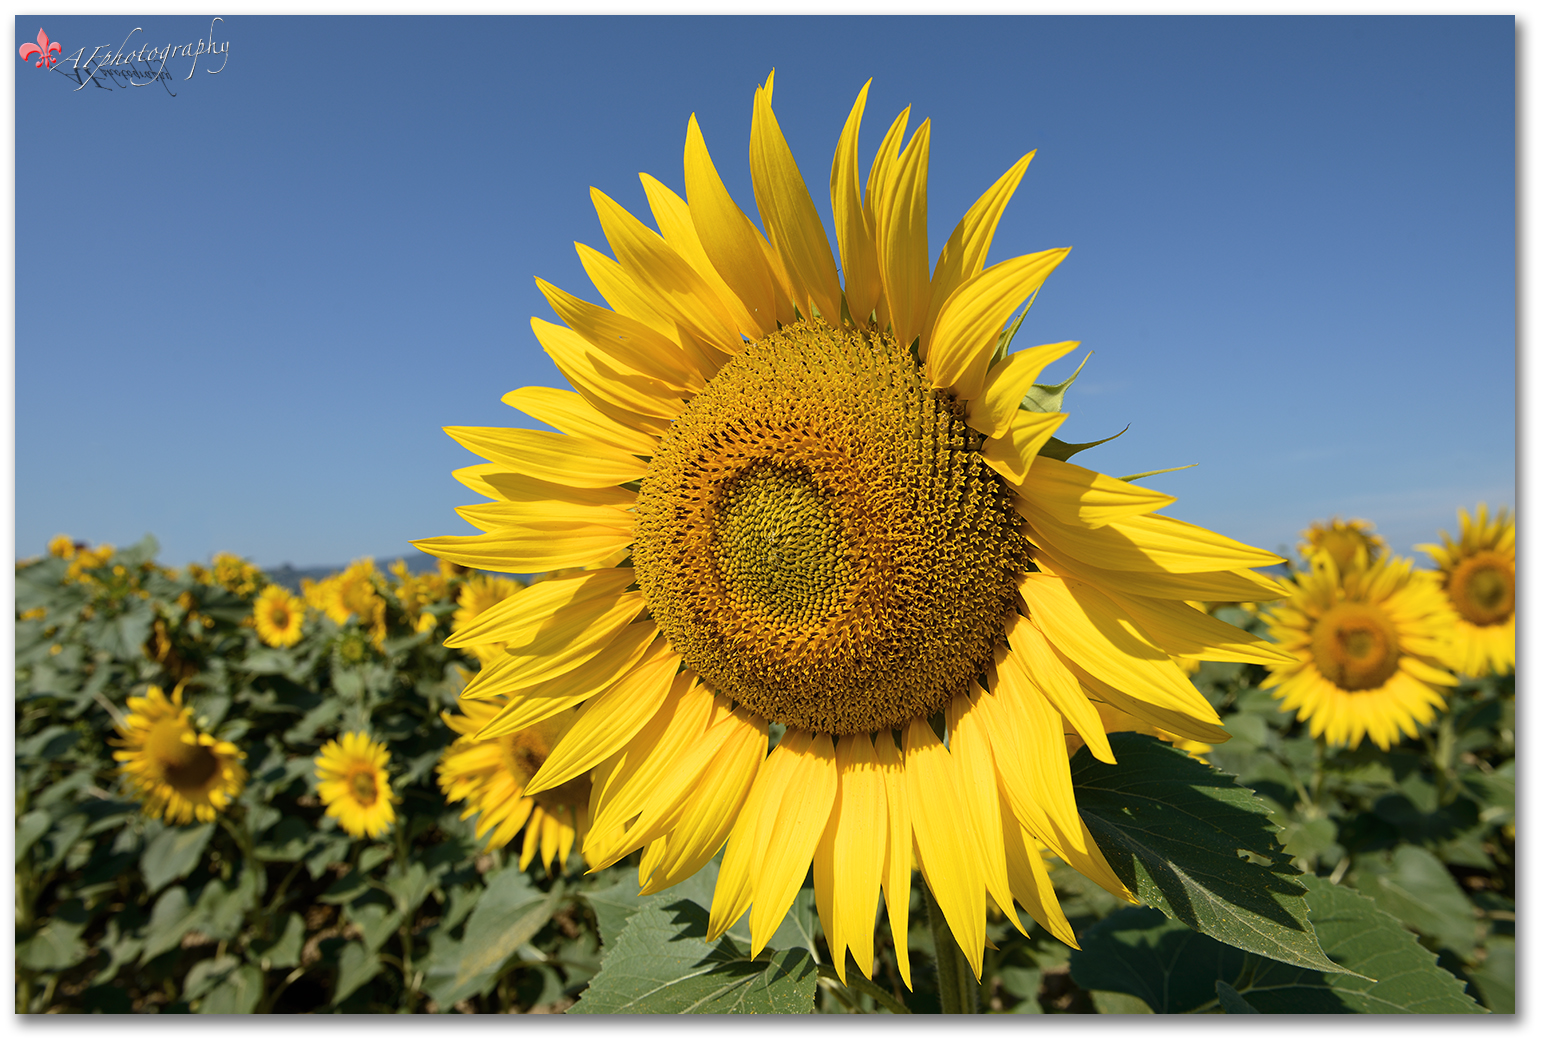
(1483, 588)
(186, 767)
(363, 785)
(1355, 646)
(820, 539)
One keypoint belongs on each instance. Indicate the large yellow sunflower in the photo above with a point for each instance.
(353, 782)
(278, 616)
(1479, 574)
(1368, 643)
(492, 774)
(179, 773)
(824, 507)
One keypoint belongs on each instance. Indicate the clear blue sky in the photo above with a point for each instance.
(244, 313)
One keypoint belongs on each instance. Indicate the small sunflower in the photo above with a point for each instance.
(1479, 575)
(1368, 643)
(278, 615)
(492, 774)
(1342, 539)
(236, 574)
(415, 592)
(61, 546)
(477, 595)
(353, 782)
(824, 507)
(179, 773)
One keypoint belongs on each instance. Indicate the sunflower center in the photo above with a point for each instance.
(819, 538)
(186, 767)
(1484, 588)
(1355, 646)
(363, 785)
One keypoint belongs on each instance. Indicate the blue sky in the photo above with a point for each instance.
(244, 313)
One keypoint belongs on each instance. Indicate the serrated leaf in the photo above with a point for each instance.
(1416, 889)
(614, 905)
(1173, 969)
(172, 853)
(1187, 840)
(661, 964)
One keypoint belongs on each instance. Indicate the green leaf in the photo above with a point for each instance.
(29, 829)
(284, 951)
(172, 917)
(356, 967)
(1186, 839)
(509, 913)
(57, 946)
(172, 853)
(1416, 889)
(1232, 1002)
(1142, 953)
(1048, 397)
(614, 905)
(661, 964)
(238, 993)
(1496, 977)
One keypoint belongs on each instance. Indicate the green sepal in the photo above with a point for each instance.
(1004, 340)
(1055, 448)
(1154, 473)
(1047, 397)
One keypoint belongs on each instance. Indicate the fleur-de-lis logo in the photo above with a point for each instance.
(45, 49)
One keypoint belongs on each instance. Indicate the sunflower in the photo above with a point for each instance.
(236, 574)
(353, 782)
(478, 594)
(179, 773)
(415, 592)
(1342, 539)
(1479, 575)
(824, 508)
(1368, 643)
(278, 616)
(492, 774)
(61, 546)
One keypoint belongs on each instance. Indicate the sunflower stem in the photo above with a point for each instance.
(859, 983)
(955, 983)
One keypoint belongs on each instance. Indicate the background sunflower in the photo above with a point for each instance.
(352, 774)
(1478, 573)
(179, 773)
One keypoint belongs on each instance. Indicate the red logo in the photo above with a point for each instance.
(45, 49)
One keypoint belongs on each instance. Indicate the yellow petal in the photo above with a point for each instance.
(1007, 384)
(964, 253)
(903, 254)
(896, 861)
(650, 756)
(853, 231)
(561, 458)
(635, 347)
(543, 687)
(1084, 625)
(1143, 543)
(662, 274)
(1013, 454)
(607, 385)
(949, 857)
(1038, 665)
(518, 619)
(792, 837)
(1030, 880)
(790, 219)
(561, 516)
(475, 477)
(736, 249)
(964, 339)
(608, 721)
(520, 488)
(862, 844)
(976, 766)
(1081, 497)
(735, 881)
(568, 411)
(531, 550)
(883, 163)
(677, 226)
(713, 806)
(1184, 631)
(1030, 748)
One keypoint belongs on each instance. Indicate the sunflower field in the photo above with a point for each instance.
(236, 799)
